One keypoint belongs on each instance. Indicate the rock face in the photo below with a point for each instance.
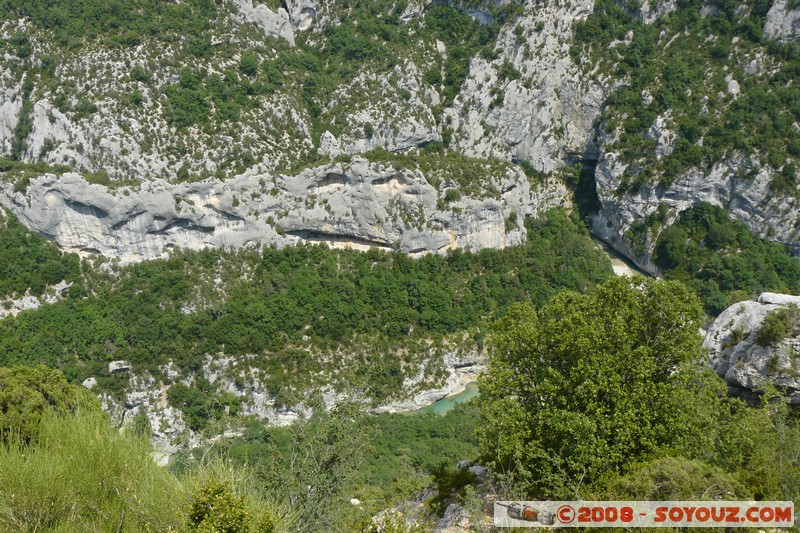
(272, 23)
(532, 103)
(398, 119)
(749, 199)
(358, 205)
(745, 365)
(783, 23)
(302, 13)
(650, 10)
(10, 105)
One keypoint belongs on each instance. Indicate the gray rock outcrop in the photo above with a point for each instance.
(118, 366)
(739, 184)
(302, 13)
(783, 22)
(357, 205)
(272, 23)
(747, 366)
(532, 102)
(651, 10)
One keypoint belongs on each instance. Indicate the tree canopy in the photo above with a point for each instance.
(578, 388)
(602, 396)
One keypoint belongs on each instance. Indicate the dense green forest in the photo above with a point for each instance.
(29, 262)
(279, 304)
(722, 260)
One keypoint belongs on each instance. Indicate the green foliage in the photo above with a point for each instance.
(449, 483)
(29, 262)
(402, 449)
(330, 296)
(601, 365)
(777, 325)
(216, 509)
(675, 478)
(29, 393)
(718, 258)
(599, 396)
(312, 464)
(83, 475)
(188, 104)
(122, 23)
(686, 78)
(200, 404)
(249, 64)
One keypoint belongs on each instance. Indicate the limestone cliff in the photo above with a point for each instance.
(358, 204)
(531, 102)
(744, 359)
(185, 125)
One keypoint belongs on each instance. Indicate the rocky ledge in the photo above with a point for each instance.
(357, 205)
(757, 343)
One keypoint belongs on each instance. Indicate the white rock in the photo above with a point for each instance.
(650, 14)
(302, 13)
(357, 205)
(783, 24)
(119, 366)
(545, 115)
(663, 135)
(733, 85)
(89, 383)
(745, 365)
(778, 299)
(272, 23)
(329, 145)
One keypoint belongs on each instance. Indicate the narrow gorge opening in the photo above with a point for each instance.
(585, 195)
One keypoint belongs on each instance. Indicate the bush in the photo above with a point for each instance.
(675, 478)
(29, 393)
(249, 64)
(777, 325)
(449, 483)
(216, 509)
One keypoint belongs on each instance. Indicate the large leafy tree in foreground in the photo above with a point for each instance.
(592, 381)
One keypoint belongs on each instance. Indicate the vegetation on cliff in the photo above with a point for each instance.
(722, 260)
(708, 71)
(290, 307)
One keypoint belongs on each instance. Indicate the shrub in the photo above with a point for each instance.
(675, 478)
(216, 509)
(249, 64)
(776, 326)
(28, 393)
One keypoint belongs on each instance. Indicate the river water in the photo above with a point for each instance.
(444, 405)
(621, 265)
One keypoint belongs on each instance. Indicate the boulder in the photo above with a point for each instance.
(119, 366)
(743, 363)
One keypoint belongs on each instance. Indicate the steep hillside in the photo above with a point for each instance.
(675, 104)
